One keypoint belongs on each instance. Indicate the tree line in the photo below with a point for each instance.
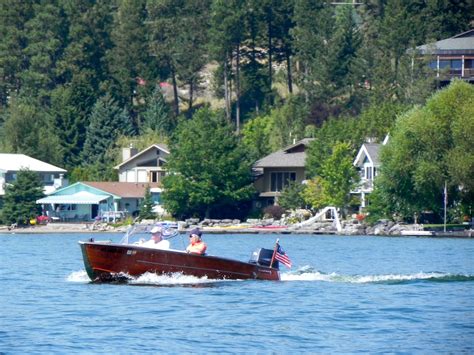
(81, 79)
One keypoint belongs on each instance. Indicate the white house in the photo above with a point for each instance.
(367, 163)
(51, 176)
(147, 166)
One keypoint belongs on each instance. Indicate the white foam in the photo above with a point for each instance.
(173, 279)
(78, 276)
(306, 273)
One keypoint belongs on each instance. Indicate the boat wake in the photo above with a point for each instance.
(308, 273)
(305, 273)
(176, 279)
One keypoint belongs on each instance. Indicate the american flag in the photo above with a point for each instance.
(281, 256)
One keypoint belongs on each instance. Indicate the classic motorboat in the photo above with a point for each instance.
(132, 257)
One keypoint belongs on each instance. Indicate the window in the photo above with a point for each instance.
(368, 172)
(153, 176)
(456, 64)
(157, 176)
(156, 198)
(278, 180)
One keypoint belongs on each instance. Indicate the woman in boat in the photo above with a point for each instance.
(196, 245)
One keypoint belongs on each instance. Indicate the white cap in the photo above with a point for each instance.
(155, 230)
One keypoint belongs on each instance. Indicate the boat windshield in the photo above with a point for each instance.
(136, 233)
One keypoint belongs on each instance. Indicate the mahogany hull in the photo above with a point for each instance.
(103, 261)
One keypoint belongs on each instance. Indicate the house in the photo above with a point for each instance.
(452, 57)
(50, 176)
(147, 166)
(84, 201)
(367, 162)
(276, 170)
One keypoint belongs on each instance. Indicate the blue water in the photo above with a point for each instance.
(343, 294)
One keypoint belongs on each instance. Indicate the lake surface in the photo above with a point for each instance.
(343, 294)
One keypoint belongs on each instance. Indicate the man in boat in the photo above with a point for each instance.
(156, 240)
(196, 245)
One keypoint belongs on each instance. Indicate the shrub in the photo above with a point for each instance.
(273, 211)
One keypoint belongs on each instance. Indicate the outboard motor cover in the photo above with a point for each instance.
(263, 257)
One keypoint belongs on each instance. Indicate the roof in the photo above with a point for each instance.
(293, 156)
(463, 42)
(162, 147)
(369, 150)
(122, 189)
(16, 162)
(79, 198)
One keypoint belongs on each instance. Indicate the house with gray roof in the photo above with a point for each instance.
(452, 57)
(367, 162)
(146, 166)
(277, 169)
(51, 177)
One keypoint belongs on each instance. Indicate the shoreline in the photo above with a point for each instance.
(88, 228)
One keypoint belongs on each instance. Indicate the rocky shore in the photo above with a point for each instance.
(255, 226)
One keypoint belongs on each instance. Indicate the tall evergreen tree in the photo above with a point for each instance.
(313, 31)
(130, 62)
(157, 116)
(29, 129)
(226, 37)
(13, 17)
(20, 198)
(107, 122)
(179, 28)
(45, 34)
(82, 69)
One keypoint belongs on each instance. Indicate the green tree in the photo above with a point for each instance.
(178, 31)
(108, 121)
(336, 179)
(314, 27)
(339, 175)
(13, 17)
(46, 35)
(29, 129)
(157, 116)
(129, 60)
(292, 196)
(256, 136)
(81, 71)
(430, 146)
(208, 167)
(226, 37)
(146, 207)
(20, 198)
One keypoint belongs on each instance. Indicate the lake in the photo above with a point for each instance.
(343, 294)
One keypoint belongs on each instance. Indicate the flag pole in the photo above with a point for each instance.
(445, 202)
(274, 252)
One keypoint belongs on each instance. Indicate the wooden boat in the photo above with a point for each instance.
(107, 261)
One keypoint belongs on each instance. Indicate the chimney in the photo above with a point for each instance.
(129, 152)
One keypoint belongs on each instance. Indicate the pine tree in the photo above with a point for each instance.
(20, 198)
(312, 34)
(29, 129)
(107, 122)
(178, 32)
(226, 37)
(130, 62)
(157, 116)
(13, 16)
(46, 35)
(81, 70)
(146, 207)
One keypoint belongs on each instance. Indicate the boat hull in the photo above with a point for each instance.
(106, 261)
